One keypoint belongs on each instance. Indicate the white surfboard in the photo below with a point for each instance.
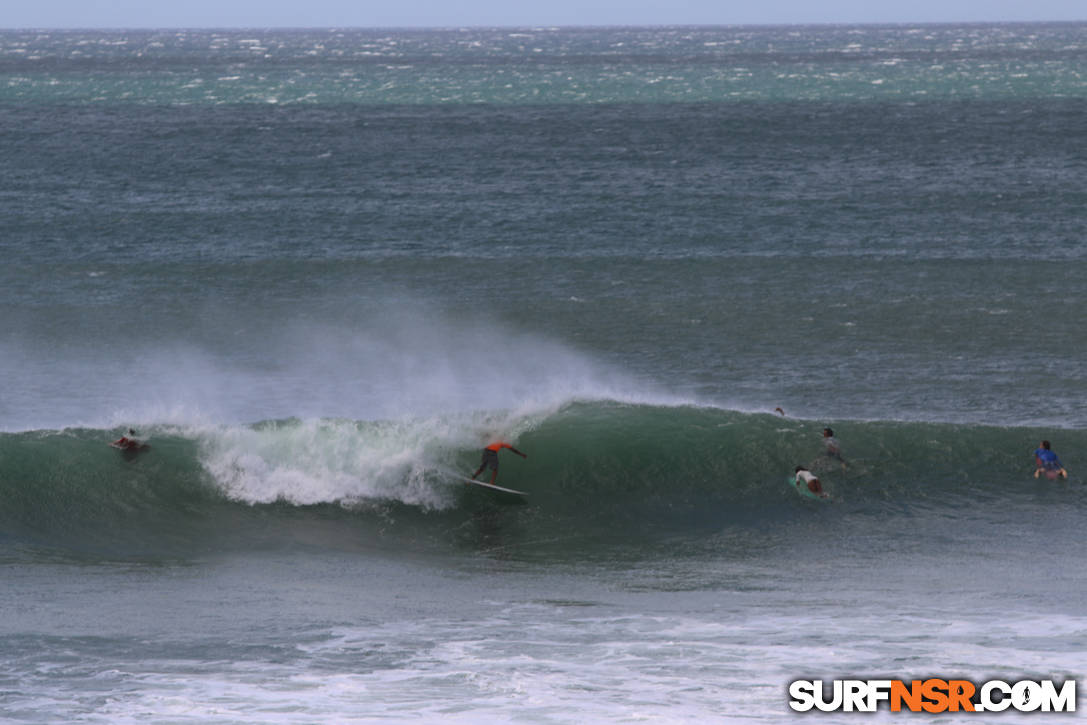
(491, 485)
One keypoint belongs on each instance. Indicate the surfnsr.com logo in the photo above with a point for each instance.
(933, 695)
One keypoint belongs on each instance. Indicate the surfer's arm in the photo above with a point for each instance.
(522, 455)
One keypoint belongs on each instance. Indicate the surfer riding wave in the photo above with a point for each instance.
(490, 459)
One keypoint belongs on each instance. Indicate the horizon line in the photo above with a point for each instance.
(536, 26)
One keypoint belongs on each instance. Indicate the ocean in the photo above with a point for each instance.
(318, 270)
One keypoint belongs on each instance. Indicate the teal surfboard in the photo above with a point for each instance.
(803, 490)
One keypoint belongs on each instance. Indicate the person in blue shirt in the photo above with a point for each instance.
(1046, 460)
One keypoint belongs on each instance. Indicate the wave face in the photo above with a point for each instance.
(605, 467)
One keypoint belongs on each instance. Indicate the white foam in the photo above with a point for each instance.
(322, 461)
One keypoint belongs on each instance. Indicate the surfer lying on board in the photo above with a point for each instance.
(806, 477)
(490, 459)
(129, 442)
(1046, 460)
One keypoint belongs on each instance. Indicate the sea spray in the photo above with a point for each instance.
(400, 358)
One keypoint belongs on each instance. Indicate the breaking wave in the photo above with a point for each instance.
(593, 466)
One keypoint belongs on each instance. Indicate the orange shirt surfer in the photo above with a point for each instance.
(490, 459)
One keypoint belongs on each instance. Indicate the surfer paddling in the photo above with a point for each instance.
(129, 442)
(490, 459)
(804, 477)
(1046, 460)
(832, 448)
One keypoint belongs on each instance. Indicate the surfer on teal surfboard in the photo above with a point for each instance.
(490, 459)
(805, 479)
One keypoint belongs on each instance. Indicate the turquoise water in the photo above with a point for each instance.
(318, 270)
(547, 66)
